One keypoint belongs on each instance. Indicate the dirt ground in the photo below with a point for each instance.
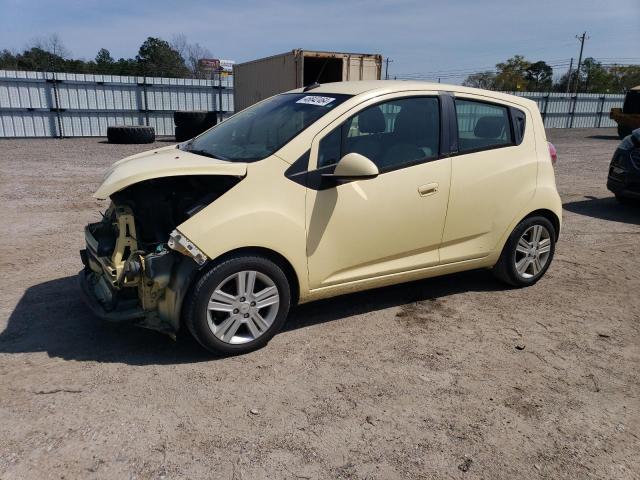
(415, 381)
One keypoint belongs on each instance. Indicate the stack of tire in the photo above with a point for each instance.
(192, 123)
(131, 134)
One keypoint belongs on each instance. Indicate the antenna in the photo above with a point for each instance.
(315, 83)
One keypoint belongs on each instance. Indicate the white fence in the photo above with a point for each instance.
(584, 110)
(37, 104)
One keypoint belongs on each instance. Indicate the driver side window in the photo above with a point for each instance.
(392, 134)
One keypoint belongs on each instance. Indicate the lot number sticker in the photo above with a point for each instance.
(316, 100)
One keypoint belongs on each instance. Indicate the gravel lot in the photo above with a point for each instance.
(414, 381)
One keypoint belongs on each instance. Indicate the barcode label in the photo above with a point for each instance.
(316, 100)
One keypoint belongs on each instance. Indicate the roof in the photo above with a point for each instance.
(380, 87)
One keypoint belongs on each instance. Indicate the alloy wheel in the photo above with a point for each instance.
(243, 307)
(532, 251)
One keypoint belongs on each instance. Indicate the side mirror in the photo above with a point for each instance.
(353, 166)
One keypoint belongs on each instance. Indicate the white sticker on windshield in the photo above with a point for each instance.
(316, 100)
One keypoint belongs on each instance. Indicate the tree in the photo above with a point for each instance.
(104, 61)
(191, 53)
(126, 66)
(38, 59)
(539, 76)
(53, 45)
(8, 60)
(511, 75)
(595, 78)
(484, 80)
(157, 58)
(626, 77)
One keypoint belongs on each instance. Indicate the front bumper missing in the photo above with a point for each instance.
(87, 280)
(134, 286)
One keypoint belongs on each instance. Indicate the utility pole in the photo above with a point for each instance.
(569, 75)
(582, 39)
(386, 68)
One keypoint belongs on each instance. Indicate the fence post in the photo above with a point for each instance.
(573, 110)
(544, 109)
(599, 119)
(56, 100)
(145, 100)
(219, 94)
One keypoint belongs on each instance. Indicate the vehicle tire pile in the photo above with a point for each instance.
(192, 123)
(131, 134)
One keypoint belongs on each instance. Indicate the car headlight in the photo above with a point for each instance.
(180, 243)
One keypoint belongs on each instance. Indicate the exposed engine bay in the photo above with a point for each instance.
(135, 267)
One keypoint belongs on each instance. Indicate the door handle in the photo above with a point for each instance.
(428, 189)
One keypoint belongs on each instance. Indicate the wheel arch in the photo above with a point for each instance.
(549, 215)
(272, 255)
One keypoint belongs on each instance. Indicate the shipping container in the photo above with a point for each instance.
(260, 79)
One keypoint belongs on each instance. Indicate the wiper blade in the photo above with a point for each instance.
(206, 154)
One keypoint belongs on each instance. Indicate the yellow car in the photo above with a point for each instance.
(318, 192)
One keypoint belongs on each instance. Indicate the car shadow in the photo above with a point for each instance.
(607, 208)
(50, 317)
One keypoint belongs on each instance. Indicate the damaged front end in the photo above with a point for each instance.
(138, 266)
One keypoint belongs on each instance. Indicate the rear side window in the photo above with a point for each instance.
(482, 125)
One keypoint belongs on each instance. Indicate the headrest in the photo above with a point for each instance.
(489, 127)
(371, 121)
(416, 122)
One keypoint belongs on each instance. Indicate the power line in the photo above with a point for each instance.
(555, 64)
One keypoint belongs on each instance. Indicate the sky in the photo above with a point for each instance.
(443, 39)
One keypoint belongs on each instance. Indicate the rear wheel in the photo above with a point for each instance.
(238, 305)
(528, 252)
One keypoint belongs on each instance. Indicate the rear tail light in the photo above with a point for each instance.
(553, 153)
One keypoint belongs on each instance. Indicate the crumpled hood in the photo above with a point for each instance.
(163, 162)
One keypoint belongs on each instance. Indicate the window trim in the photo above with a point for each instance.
(490, 147)
(441, 137)
(518, 136)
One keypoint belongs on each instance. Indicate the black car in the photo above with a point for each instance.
(624, 170)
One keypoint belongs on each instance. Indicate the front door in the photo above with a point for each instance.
(389, 224)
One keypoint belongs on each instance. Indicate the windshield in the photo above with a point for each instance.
(260, 130)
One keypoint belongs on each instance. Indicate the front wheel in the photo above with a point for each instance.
(528, 252)
(238, 305)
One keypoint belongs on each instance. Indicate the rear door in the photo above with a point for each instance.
(493, 176)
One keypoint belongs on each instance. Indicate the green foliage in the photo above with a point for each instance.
(518, 74)
(156, 58)
(511, 75)
(539, 76)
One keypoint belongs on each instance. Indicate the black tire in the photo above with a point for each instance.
(623, 131)
(195, 119)
(196, 313)
(131, 134)
(505, 269)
